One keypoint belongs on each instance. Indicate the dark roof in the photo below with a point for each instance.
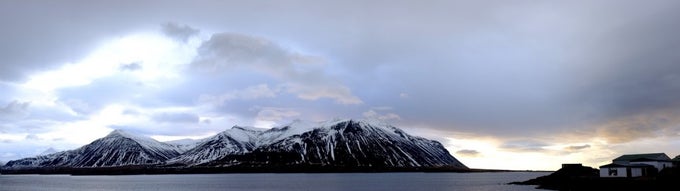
(646, 159)
(677, 158)
(626, 165)
(650, 156)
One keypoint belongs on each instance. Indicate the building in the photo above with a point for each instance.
(626, 171)
(636, 165)
(676, 161)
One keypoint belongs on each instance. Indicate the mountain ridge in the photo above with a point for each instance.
(336, 144)
(118, 148)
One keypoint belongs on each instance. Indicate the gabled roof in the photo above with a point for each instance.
(649, 160)
(626, 165)
(677, 158)
(649, 156)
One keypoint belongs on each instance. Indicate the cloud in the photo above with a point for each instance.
(60, 34)
(577, 147)
(663, 123)
(385, 117)
(403, 95)
(468, 153)
(32, 137)
(129, 111)
(509, 72)
(79, 106)
(340, 94)
(524, 146)
(14, 110)
(102, 92)
(8, 155)
(175, 117)
(634, 70)
(300, 74)
(181, 33)
(130, 67)
(249, 93)
(275, 114)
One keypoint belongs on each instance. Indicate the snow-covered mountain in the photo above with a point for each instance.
(357, 143)
(238, 141)
(234, 141)
(119, 148)
(343, 143)
(336, 144)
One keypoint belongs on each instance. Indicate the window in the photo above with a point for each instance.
(613, 172)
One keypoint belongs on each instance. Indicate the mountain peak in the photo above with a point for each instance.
(123, 133)
(118, 132)
(143, 140)
(300, 124)
(363, 122)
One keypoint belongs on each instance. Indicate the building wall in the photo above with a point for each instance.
(635, 172)
(657, 164)
(620, 172)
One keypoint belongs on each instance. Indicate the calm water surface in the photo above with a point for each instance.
(279, 182)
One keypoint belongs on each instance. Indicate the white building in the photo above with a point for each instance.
(636, 165)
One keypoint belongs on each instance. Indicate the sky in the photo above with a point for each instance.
(503, 84)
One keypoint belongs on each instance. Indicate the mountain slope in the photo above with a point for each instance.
(237, 140)
(119, 148)
(345, 143)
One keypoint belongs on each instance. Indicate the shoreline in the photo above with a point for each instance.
(236, 170)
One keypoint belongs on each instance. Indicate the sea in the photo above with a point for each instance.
(492, 181)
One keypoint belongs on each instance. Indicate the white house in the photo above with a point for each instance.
(626, 171)
(636, 165)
